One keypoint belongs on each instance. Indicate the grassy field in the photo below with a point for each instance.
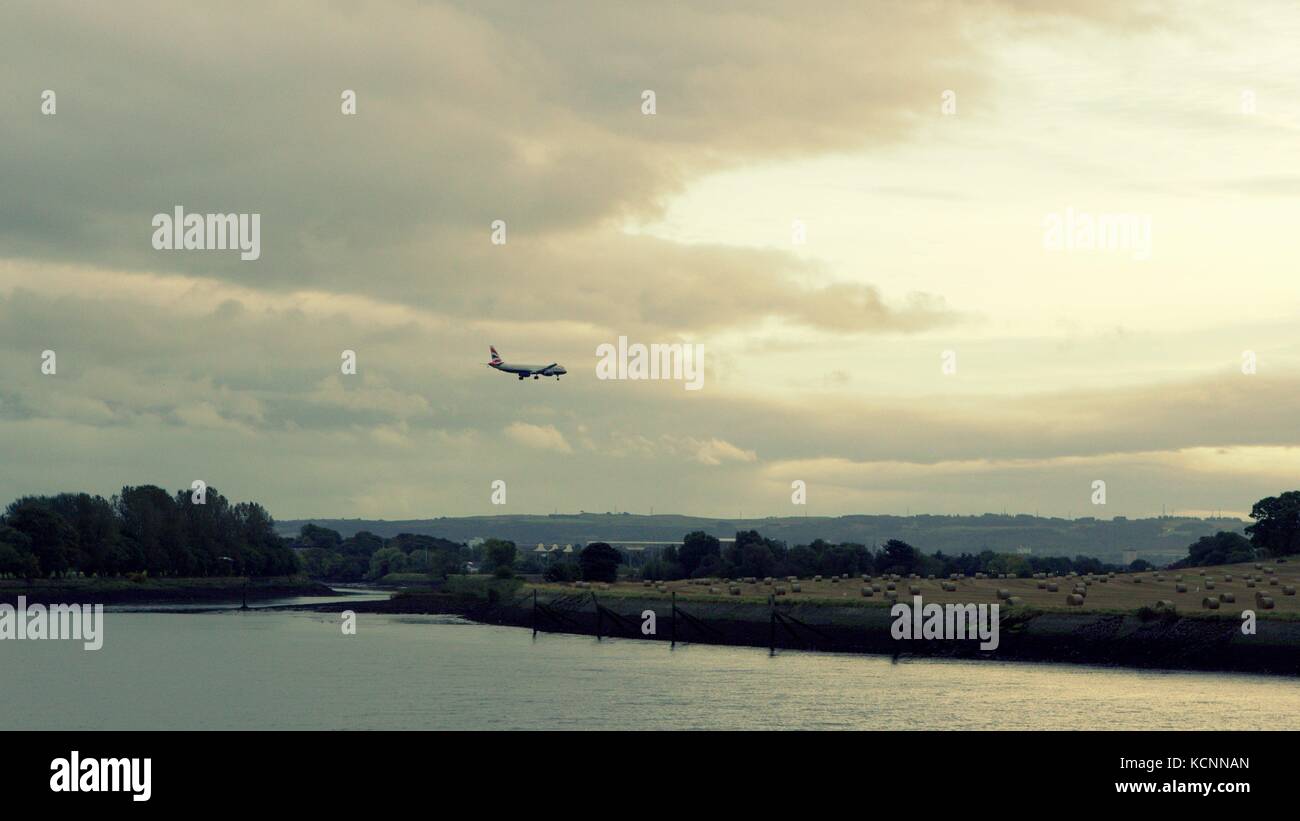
(1123, 592)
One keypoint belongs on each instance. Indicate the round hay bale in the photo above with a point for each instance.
(891, 595)
(835, 579)
(1209, 585)
(952, 576)
(713, 590)
(1104, 579)
(1042, 585)
(1137, 579)
(1014, 601)
(780, 591)
(914, 589)
(1273, 582)
(1004, 594)
(1210, 603)
(1227, 578)
(1178, 578)
(1052, 587)
(1288, 590)
(866, 591)
(889, 586)
(1250, 582)
(647, 584)
(1227, 598)
(1265, 603)
(768, 581)
(1180, 588)
(1074, 600)
(875, 587)
(735, 591)
(1164, 604)
(817, 578)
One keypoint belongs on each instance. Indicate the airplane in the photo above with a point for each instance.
(524, 371)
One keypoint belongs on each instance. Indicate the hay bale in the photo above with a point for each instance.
(1104, 579)
(914, 589)
(1227, 578)
(647, 583)
(1004, 594)
(1164, 604)
(1180, 588)
(714, 590)
(891, 595)
(779, 590)
(735, 591)
(1074, 600)
(1052, 587)
(1210, 603)
(1014, 601)
(1209, 585)
(889, 586)
(1042, 585)
(875, 587)
(1137, 579)
(1227, 598)
(817, 578)
(796, 588)
(866, 591)
(1250, 582)
(768, 581)
(1264, 603)
(1274, 582)
(835, 579)
(1288, 590)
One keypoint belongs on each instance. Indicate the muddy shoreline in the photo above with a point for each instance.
(1201, 643)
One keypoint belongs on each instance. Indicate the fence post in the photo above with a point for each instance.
(771, 627)
(672, 621)
(534, 612)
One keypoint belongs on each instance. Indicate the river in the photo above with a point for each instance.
(269, 669)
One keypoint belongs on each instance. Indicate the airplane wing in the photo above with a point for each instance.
(547, 368)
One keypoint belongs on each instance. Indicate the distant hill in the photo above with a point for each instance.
(1159, 539)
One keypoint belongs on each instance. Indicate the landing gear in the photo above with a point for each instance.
(535, 376)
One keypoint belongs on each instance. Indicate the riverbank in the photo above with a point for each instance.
(1201, 642)
(157, 591)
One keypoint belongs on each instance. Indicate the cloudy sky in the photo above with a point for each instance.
(923, 347)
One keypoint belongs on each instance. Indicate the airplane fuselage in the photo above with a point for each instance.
(525, 371)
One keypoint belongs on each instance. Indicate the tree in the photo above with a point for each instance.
(1224, 547)
(52, 539)
(499, 554)
(1277, 524)
(599, 562)
(384, 561)
(562, 572)
(696, 547)
(898, 557)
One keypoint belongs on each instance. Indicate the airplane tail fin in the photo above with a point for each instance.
(496, 357)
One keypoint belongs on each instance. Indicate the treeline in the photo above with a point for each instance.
(143, 530)
(366, 557)
(1276, 532)
(752, 554)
